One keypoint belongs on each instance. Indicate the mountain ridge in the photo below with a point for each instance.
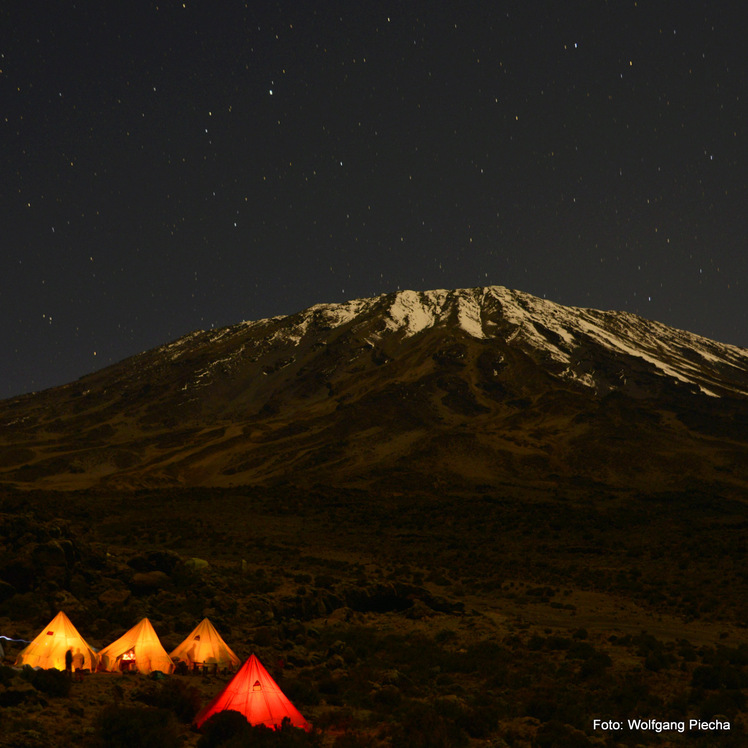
(472, 385)
(412, 312)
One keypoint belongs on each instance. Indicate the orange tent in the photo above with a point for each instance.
(204, 646)
(49, 648)
(138, 649)
(253, 693)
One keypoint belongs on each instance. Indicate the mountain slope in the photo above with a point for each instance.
(470, 387)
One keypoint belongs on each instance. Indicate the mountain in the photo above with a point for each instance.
(440, 389)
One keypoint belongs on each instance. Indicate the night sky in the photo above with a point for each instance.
(172, 166)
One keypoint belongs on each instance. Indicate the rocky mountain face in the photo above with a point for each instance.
(470, 388)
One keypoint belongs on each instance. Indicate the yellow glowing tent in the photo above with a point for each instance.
(205, 647)
(138, 649)
(49, 648)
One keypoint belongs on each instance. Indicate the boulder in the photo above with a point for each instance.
(114, 597)
(196, 564)
(150, 581)
(163, 561)
(50, 553)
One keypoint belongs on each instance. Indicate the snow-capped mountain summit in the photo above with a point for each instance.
(563, 337)
(487, 384)
(557, 331)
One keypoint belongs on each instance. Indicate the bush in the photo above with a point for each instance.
(387, 696)
(595, 665)
(6, 674)
(354, 740)
(125, 727)
(717, 676)
(301, 691)
(225, 729)
(726, 702)
(581, 650)
(230, 729)
(422, 726)
(555, 733)
(51, 682)
(179, 698)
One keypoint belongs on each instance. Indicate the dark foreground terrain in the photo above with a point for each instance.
(492, 617)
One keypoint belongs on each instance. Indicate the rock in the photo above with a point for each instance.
(50, 553)
(64, 600)
(163, 561)
(57, 576)
(418, 611)
(335, 662)
(28, 606)
(69, 550)
(150, 581)
(382, 597)
(343, 614)
(298, 657)
(79, 586)
(196, 564)
(114, 597)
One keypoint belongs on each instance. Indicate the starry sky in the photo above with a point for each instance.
(173, 166)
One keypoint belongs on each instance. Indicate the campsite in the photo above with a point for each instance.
(250, 691)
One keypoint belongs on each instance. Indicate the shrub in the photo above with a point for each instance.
(225, 729)
(727, 702)
(179, 698)
(6, 674)
(422, 726)
(125, 727)
(581, 650)
(51, 682)
(595, 665)
(718, 676)
(230, 729)
(354, 740)
(387, 696)
(555, 733)
(301, 691)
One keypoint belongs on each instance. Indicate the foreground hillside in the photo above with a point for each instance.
(511, 618)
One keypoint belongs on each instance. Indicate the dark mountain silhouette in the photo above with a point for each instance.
(476, 387)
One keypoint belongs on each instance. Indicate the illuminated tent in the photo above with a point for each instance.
(49, 648)
(253, 693)
(138, 649)
(204, 646)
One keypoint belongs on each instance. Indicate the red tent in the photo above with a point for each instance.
(253, 693)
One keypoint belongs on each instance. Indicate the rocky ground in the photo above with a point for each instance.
(504, 622)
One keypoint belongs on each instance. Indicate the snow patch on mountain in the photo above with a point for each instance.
(413, 312)
(470, 316)
(407, 312)
(320, 315)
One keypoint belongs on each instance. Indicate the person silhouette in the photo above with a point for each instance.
(78, 662)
